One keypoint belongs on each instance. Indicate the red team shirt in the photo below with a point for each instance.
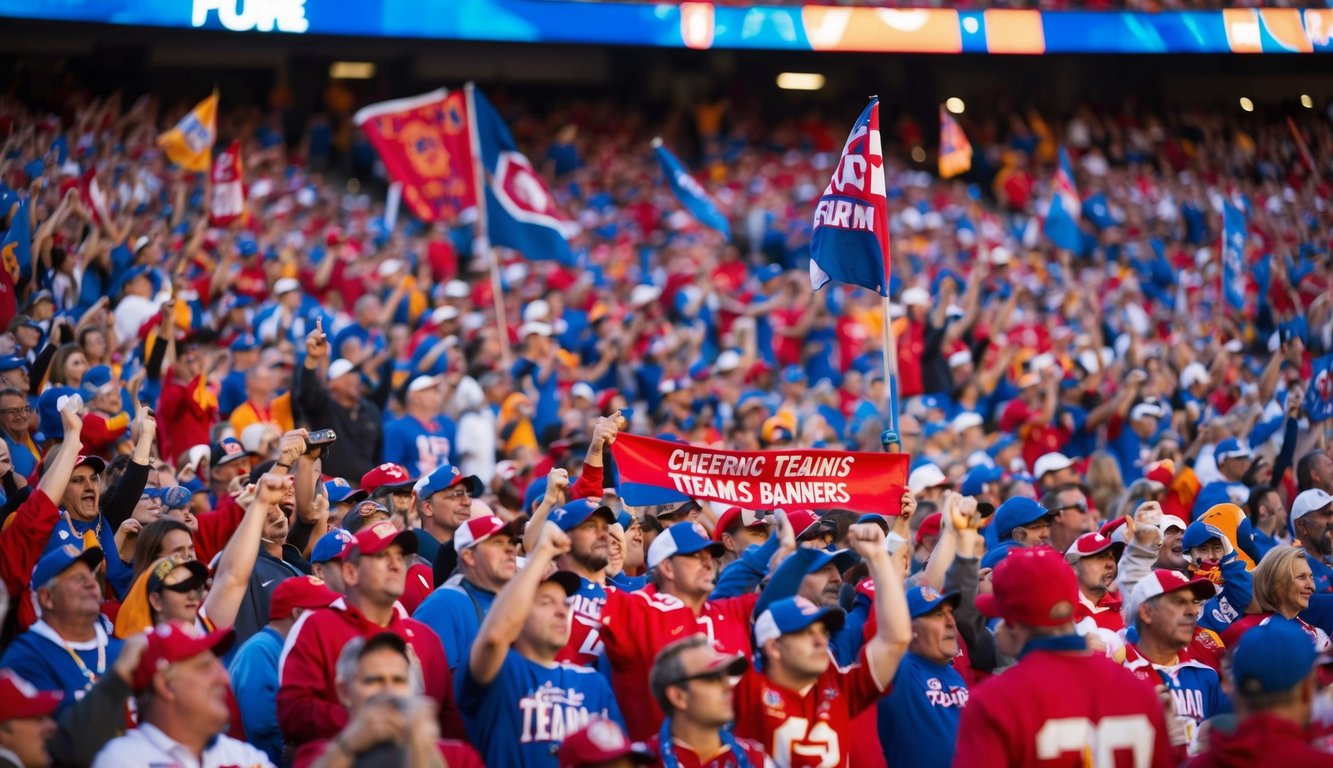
(636, 625)
(724, 759)
(801, 730)
(1053, 707)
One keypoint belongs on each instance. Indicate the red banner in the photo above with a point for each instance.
(660, 472)
(228, 203)
(424, 143)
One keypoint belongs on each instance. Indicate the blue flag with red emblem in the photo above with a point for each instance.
(521, 213)
(1319, 395)
(850, 242)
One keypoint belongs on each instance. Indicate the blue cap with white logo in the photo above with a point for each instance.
(573, 514)
(59, 560)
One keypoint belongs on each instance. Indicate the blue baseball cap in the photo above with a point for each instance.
(1003, 441)
(793, 614)
(978, 477)
(246, 342)
(536, 490)
(12, 362)
(1272, 657)
(793, 374)
(58, 560)
(573, 514)
(1231, 448)
(923, 599)
(681, 539)
(330, 546)
(931, 402)
(339, 491)
(48, 412)
(995, 555)
(95, 378)
(1016, 513)
(786, 581)
(625, 520)
(175, 497)
(447, 476)
(1199, 533)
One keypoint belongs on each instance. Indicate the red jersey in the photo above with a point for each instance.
(456, 754)
(636, 625)
(724, 759)
(585, 639)
(806, 730)
(1020, 719)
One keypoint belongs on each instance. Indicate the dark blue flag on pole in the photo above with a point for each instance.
(1319, 396)
(1061, 225)
(1233, 255)
(521, 212)
(689, 192)
(850, 242)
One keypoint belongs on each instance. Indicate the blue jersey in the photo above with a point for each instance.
(455, 612)
(232, 393)
(71, 531)
(918, 719)
(42, 658)
(524, 714)
(1129, 454)
(254, 678)
(1323, 574)
(420, 447)
(1195, 687)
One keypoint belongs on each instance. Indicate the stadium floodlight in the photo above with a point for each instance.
(1246, 104)
(800, 81)
(954, 105)
(351, 70)
(1306, 101)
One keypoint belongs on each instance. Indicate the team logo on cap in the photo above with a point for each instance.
(929, 593)
(70, 550)
(231, 447)
(605, 735)
(383, 528)
(806, 606)
(699, 529)
(392, 470)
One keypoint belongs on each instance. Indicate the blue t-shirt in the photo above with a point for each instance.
(918, 719)
(455, 612)
(1128, 451)
(420, 448)
(232, 393)
(254, 678)
(70, 531)
(524, 714)
(41, 658)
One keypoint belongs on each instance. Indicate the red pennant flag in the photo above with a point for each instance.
(228, 203)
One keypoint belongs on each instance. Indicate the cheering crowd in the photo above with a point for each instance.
(292, 490)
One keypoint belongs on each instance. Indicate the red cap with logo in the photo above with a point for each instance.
(391, 476)
(479, 529)
(300, 592)
(601, 742)
(378, 537)
(747, 518)
(172, 642)
(19, 699)
(1033, 586)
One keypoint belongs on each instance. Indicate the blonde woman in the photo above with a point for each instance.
(1283, 586)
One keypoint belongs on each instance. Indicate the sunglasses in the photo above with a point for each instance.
(712, 676)
(1081, 507)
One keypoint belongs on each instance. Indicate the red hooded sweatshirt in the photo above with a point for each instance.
(308, 705)
(186, 413)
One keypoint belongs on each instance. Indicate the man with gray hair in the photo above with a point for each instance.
(390, 721)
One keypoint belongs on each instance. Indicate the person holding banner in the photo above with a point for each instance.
(799, 705)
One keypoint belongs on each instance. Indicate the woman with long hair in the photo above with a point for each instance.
(1283, 586)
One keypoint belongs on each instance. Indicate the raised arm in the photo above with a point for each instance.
(504, 622)
(557, 480)
(237, 561)
(893, 625)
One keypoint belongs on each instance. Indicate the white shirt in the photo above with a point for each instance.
(148, 747)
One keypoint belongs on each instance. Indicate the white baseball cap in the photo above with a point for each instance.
(286, 285)
(925, 476)
(1000, 255)
(1309, 501)
(1146, 410)
(456, 289)
(536, 310)
(442, 314)
(1194, 373)
(728, 360)
(644, 294)
(916, 297)
(423, 382)
(1051, 462)
(965, 421)
(535, 329)
(340, 367)
(390, 267)
(961, 357)
(584, 390)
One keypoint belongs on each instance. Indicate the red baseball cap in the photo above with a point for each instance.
(172, 642)
(479, 529)
(378, 537)
(20, 700)
(728, 519)
(391, 476)
(805, 523)
(1033, 586)
(1090, 544)
(601, 742)
(1163, 581)
(929, 527)
(301, 592)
